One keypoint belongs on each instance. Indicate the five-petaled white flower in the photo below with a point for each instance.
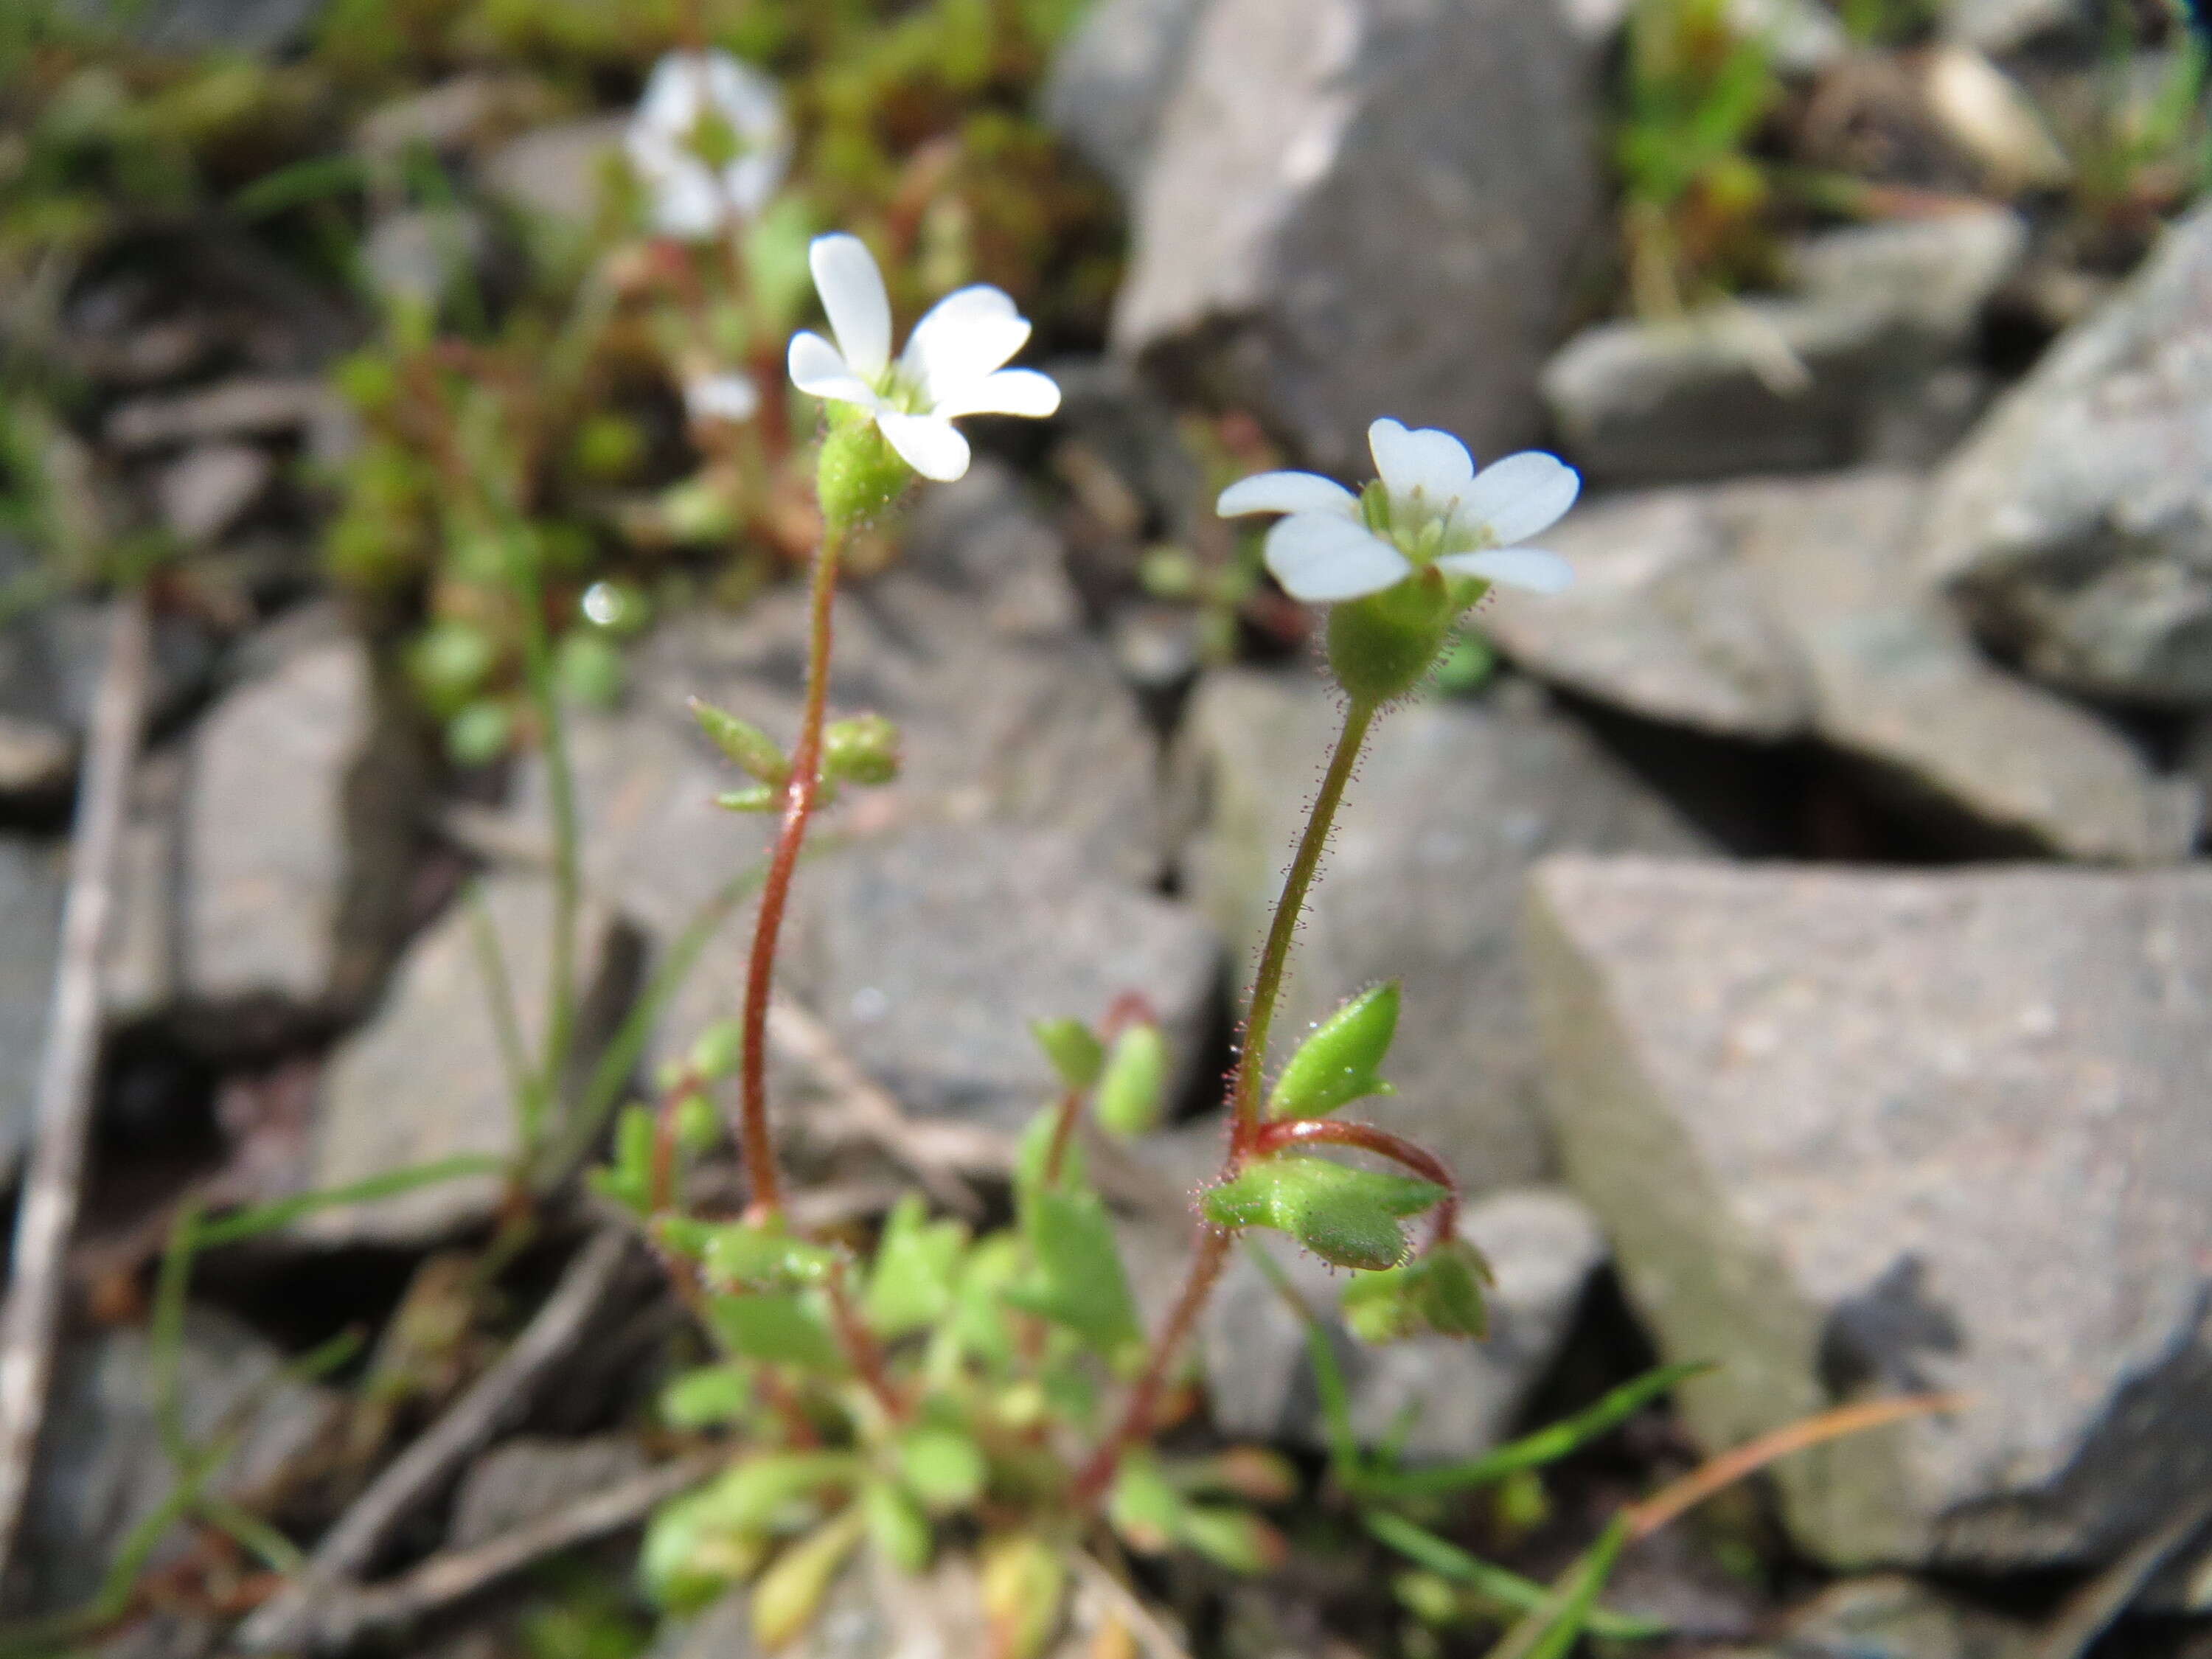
(710, 143)
(954, 365)
(1429, 508)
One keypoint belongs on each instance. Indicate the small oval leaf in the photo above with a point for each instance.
(1337, 1063)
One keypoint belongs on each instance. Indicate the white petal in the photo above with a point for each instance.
(672, 100)
(1435, 463)
(1514, 567)
(1320, 557)
(685, 203)
(750, 180)
(852, 291)
(818, 370)
(1287, 492)
(967, 335)
(932, 447)
(722, 397)
(1010, 391)
(1518, 496)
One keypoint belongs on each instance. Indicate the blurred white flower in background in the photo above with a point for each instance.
(710, 142)
(727, 397)
(954, 365)
(1429, 506)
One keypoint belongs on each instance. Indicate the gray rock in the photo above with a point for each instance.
(424, 1079)
(523, 1481)
(928, 954)
(206, 491)
(1357, 207)
(1782, 384)
(1452, 803)
(35, 758)
(1856, 1132)
(417, 257)
(2077, 520)
(1111, 83)
(271, 892)
(101, 1468)
(1766, 610)
(554, 174)
(33, 879)
(1461, 1397)
(1896, 682)
(1663, 619)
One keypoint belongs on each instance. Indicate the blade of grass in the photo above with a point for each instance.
(259, 1219)
(1554, 1628)
(1501, 1585)
(1546, 1445)
(524, 1090)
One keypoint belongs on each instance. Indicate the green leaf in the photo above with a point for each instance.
(776, 1492)
(943, 1466)
(744, 743)
(716, 1051)
(1348, 1217)
(790, 1592)
(1024, 1582)
(1133, 1091)
(1440, 1291)
(897, 1527)
(1336, 1065)
(785, 1328)
(737, 1255)
(1233, 1538)
(977, 1325)
(1033, 1148)
(627, 1178)
(1078, 1280)
(704, 1398)
(758, 797)
(1075, 1053)
(689, 1559)
(916, 1272)
(1144, 1506)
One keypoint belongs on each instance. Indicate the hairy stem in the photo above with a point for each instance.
(1211, 1252)
(1275, 958)
(799, 796)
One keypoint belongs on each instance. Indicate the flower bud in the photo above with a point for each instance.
(859, 474)
(743, 742)
(862, 749)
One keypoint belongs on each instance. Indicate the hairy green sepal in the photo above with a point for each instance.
(859, 474)
(1380, 647)
(1336, 1065)
(1348, 1217)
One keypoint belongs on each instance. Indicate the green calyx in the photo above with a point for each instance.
(859, 474)
(1381, 646)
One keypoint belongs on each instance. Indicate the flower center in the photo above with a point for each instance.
(1423, 529)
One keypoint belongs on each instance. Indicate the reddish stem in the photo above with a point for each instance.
(1208, 1257)
(862, 1348)
(799, 796)
(662, 1193)
(1334, 1132)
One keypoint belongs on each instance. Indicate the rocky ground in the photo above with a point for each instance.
(1808, 952)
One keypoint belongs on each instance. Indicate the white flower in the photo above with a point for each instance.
(954, 365)
(1431, 506)
(709, 141)
(728, 397)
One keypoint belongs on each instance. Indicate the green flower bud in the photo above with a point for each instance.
(1380, 647)
(1133, 1091)
(859, 474)
(862, 749)
(743, 742)
(1441, 1292)
(1336, 1065)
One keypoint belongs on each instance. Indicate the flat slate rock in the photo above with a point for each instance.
(1453, 801)
(1450, 1397)
(1777, 609)
(102, 1469)
(1860, 1135)
(424, 1079)
(1355, 207)
(2076, 521)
